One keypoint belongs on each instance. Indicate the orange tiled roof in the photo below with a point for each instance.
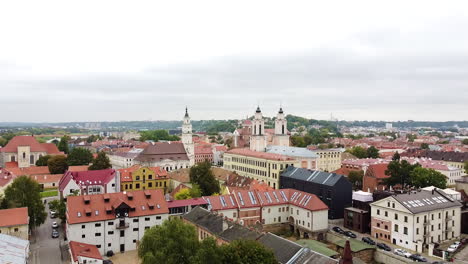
(33, 170)
(14, 217)
(84, 250)
(30, 141)
(47, 178)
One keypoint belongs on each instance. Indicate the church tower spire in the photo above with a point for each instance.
(281, 137)
(258, 138)
(187, 139)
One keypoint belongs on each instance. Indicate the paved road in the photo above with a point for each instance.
(462, 256)
(44, 248)
(360, 236)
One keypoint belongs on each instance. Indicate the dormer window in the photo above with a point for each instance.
(86, 199)
(130, 196)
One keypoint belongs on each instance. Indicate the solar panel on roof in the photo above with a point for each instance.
(297, 197)
(276, 197)
(293, 196)
(303, 198)
(307, 201)
(223, 202)
(252, 198)
(232, 201)
(284, 196)
(240, 198)
(268, 197)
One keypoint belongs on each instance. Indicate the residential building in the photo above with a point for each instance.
(224, 231)
(114, 221)
(126, 159)
(328, 159)
(416, 220)
(358, 216)
(15, 222)
(333, 189)
(307, 158)
(168, 155)
(25, 151)
(13, 250)
(203, 153)
(82, 253)
(452, 158)
(373, 178)
(89, 182)
(258, 165)
(143, 178)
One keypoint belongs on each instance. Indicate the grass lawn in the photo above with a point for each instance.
(49, 193)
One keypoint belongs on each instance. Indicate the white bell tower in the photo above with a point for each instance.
(281, 130)
(187, 139)
(258, 138)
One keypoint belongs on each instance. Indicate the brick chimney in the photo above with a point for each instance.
(347, 256)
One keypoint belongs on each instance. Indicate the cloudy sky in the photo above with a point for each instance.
(138, 60)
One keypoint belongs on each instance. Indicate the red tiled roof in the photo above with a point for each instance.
(33, 170)
(76, 206)
(14, 217)
(221, 202)
(47, 178)
(178, 189)
(5, 177)
(258, 154)
(377, 171)
(78, 168)
(191, 202)
(126, 173)
(85, 178)
(84, 250)
(11, 164)
(30, 141)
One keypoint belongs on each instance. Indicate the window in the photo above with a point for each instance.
(134, 240)
(432, 216)
(378, 224)
(16, 229)
(396, 228)
(135, 220)
(396, 216)
(110, 232)
(137, 185)
(98, 246)
(432, 227)
(83, 236)
(417, 219)
(150, 184)
(109, 244)
(297, 212)
(279, 210)
(388, 204)
(122, 233)
(97, 234)
(417, 231)
(386, 213)
(406, 219)
(147, 218)
(83, 226)
(405, 230)
(378, 211)
(97, 225)
(110, 223)
(386, 227)
(158, 217)
(135, 229)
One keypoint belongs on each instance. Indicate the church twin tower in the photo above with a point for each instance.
(259, 140)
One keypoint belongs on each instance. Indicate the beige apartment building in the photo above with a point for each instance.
(15, 222)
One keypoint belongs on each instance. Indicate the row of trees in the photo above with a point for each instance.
(362, 153)
(403, 173)
(58, 164)
(176, 242)
(157, 135)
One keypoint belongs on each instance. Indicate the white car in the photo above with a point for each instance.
(402, 252)
(54, 225)
(452, 248)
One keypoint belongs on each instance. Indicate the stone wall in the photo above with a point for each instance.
(388, 257)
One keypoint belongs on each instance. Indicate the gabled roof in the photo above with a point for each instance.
(30, 141)
(141, 201)
(377, 171)
(283, 249)
(13, 250)
(221, 202)
(14, 217)
(162, 151)
(33, 170)
(84, 250)
(319, 177)
(85, 178)
(186, 202)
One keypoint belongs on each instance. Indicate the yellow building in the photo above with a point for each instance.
(328, 159)
(261, 166)
(143, 178)
(15, 222)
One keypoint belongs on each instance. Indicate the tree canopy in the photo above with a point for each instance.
(358, 151)
(42, 161)
(422, 177)
(177, 242)
(424, 146)
(399, 173)
(355, 177)
(57, 164)
(372, 152)
(187, 193)
(465, 141)
(202, 175)
(79, 156)
(25, 192)
(63, 144)
(157, 135)
(60, 207)
(101, 162)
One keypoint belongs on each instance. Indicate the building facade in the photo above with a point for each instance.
(25, 151)
(15, 222)
(144, 178)
(89, 182)
(416, 220)
(307, 158)
(114, 221)
(328, 159)
(261, 166)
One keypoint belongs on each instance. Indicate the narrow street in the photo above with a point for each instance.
(45, 249)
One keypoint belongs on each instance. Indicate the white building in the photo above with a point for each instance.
(416, 220)
(114, 221)
(307, 158)
(13, 250)
(89, 182)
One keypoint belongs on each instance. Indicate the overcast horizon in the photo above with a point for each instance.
(113, 61)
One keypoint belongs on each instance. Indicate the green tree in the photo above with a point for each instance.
(25, 192)
(157, 135)
(399, 173)
(3, 142)
(372, 152)
(298, 141)
(173, 242)
(101, 162)
(79, 156)
(92, 138)
(396, 156)
(411, 137)
(422, 177)
(202, 175)
(187, 193)
(42, 161)
(465, 141)
(57, 164)
(63, 144)
(358, 152)
(247, 252)
(355, 177)
(424, 146)
(60, 207)
(208, 252)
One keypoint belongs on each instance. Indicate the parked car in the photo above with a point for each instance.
(55, 233)
(368, 240)
(418, 258)
(350, 234)
(402, 252)
(53, 214)
(54, 225)
(453, 247)
(384, 246)
(107, 261)
(338, 230)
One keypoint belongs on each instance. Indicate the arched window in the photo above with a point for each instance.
(282, 129)
(260, 129)
(24, 155)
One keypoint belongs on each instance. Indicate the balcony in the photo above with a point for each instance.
(122, 225)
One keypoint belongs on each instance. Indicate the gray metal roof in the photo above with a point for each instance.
(291, 151)
(319, 177)
(424, 201)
